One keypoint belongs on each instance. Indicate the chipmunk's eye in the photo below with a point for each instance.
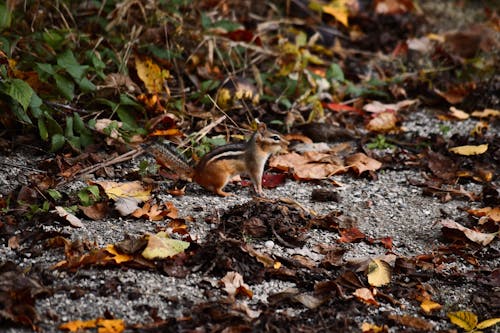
(275, 137)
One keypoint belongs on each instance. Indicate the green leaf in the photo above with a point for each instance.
(226, 25)
(65, 86)
(35, 106)
(94, 189)
(86, 139)
(20, 91)
(86, 85)
(334, 72)
(57, 141)
(55, 194)
(68, 132)
(84, 197)
(465, 319)
(20, 114)
(68, 61)
(127, 117)
(5, 17)
(53, 126)
(44, 71)
(74, 142)
(42, 129)
(54, 38)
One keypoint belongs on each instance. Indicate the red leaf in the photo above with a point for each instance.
(351, 235)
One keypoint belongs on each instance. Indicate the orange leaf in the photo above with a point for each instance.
(360, 163)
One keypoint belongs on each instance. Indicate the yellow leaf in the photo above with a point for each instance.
(117, 257)
(338, 9)
(77, 325)
(152, 75)
(372, 328)
(110, 325)
(133, 189)
(469, 150)
(487, 323)
(428, 306)
(464, 319)
(379, 273)
(161, 246)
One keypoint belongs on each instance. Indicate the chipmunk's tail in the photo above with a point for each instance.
(167, 157)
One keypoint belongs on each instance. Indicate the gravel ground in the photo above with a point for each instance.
(386, 207)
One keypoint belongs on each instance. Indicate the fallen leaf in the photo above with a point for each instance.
(428, 305)
(488, 323)
(415, 322)
(378, 107)
(72, 219)
(102, 325)
(116, 190)
(379, 273)
(383, 122)
(464, 319)
(96, 212)
(486, 113)
(469, 150)
(338, 9)
(458, 114)
(127, 196)
(153, 77)
(234, 285)
(310, 165)
(372, 328)
(365, 295)
(77, 325)
(117, 257)
(392, 7)
(360, 163)
(492, 213)
(475, 236)
(351, 235)
(161, 246)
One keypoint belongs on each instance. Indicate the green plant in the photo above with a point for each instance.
(89, 195)
(380, 142)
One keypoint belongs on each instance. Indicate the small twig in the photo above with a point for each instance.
(204, 131)
(118, 159)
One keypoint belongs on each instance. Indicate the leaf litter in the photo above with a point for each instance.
(314, 259)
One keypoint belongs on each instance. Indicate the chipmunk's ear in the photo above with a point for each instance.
(262, 128)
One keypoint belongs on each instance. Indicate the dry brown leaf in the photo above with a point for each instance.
(360, 163)
(415, 322)
(486, 113)
(469, 150)
(96, 212)
(310, 165)
(365, 295)
(72, 219)
(475, 236)
(458, 114)
(491, 212)
(383, 122)
(234, 285)
(378, 107)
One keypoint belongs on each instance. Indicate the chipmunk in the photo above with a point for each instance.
(217, 167)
